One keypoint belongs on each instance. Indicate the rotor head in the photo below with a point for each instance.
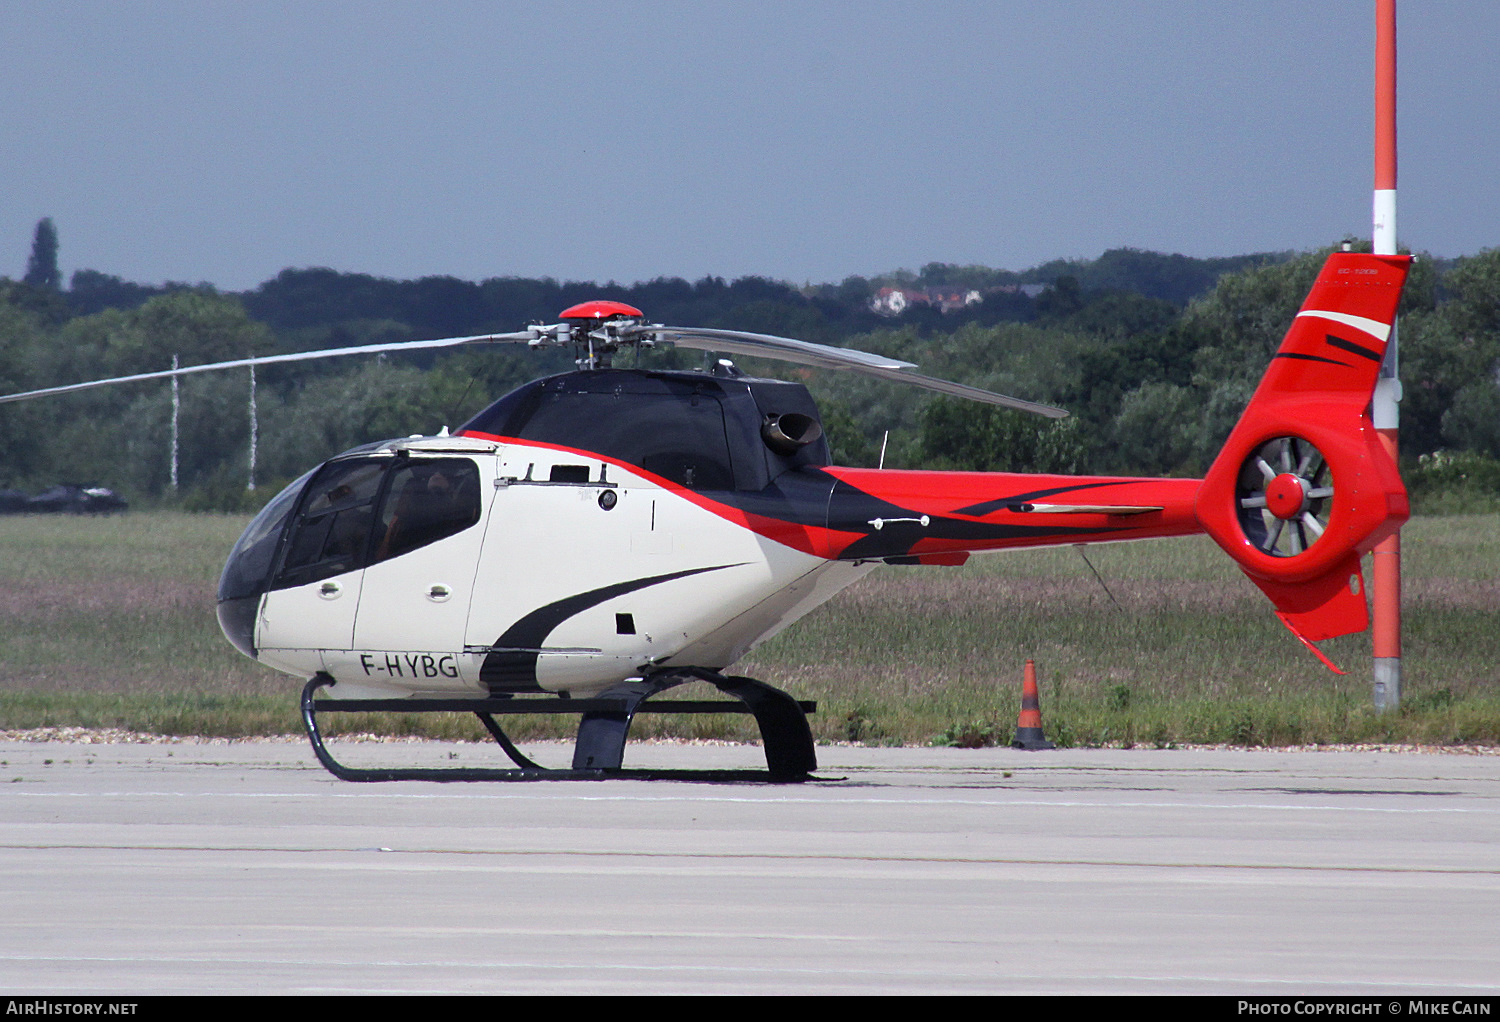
(595, 328)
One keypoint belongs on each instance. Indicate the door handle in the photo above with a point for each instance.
(330, 590)
(439, 593)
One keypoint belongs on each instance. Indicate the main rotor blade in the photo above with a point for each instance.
(298, 356)
(787, 349)
(967, 392)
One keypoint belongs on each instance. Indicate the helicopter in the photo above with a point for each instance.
(594, 538)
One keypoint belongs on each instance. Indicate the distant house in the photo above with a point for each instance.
(949, 298)
(893, 301)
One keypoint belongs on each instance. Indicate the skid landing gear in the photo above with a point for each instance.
(599, 752)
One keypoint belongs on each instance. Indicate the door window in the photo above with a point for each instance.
(425, 502)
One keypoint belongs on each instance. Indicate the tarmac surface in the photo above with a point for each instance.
(188, 868)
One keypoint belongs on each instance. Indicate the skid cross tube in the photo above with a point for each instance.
(602, 731)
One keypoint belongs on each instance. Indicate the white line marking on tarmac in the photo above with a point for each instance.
(770, 800)
(739, 967)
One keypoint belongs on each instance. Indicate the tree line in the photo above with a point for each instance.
(1154, 354)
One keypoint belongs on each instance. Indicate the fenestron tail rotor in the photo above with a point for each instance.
(1284, 496)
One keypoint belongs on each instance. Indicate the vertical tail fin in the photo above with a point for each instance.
(1303, 488)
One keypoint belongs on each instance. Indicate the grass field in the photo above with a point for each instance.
(110, 623)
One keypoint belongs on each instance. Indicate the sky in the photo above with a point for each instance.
(801, 140)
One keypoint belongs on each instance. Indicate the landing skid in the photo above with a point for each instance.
(599, 752)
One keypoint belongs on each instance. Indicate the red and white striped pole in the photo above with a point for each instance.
(1386, 569)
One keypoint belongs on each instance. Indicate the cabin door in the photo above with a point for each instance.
(315, 595)
(424, 552)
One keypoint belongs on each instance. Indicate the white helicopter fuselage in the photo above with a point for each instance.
(617, 574)
(600, 528)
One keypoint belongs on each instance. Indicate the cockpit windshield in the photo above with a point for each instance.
(249, 562)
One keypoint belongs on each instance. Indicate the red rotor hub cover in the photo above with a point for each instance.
(601, 310)
(1286, 496)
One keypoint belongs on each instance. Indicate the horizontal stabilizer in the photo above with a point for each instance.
(1093, 509)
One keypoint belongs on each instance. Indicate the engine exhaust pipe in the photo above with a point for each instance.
(787, 434)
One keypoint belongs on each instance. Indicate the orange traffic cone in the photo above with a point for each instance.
(1029, 724)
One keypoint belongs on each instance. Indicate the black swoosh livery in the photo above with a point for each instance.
(511, 663)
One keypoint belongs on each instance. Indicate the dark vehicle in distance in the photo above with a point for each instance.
(76, 499)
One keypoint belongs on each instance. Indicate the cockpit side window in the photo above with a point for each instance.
(333, 524)
(676, 434)
(355, 513)
(424, 502)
